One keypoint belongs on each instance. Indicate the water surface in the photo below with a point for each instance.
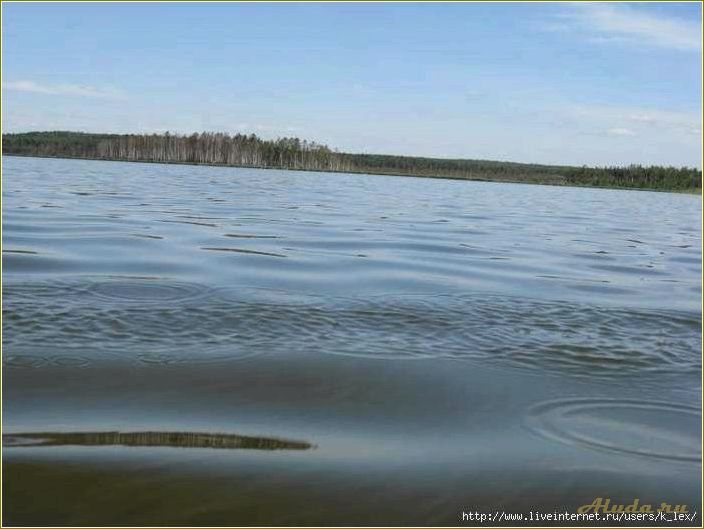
(410, 347)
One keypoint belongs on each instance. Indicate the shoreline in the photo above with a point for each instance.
(688, 191)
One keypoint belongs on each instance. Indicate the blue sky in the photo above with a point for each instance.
(596, 84)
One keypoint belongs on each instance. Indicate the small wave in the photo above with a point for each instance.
(250, 236)
(241, 250)
(192, 222)
(146, 236)
(199, 217)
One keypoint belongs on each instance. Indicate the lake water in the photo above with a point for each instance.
(378, 350)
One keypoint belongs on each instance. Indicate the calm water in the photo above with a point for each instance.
(378, 350)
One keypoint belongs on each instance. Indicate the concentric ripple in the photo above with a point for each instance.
(145, 290)
(650, 429)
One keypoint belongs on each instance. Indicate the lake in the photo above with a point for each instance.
(191, 345)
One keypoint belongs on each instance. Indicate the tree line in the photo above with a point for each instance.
(244, 150)
(205, 148)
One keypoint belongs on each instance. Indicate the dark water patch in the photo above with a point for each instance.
(173, 211)
(572, 279)
(661, 430)
(199, 217)
(467, 231)
(431, 250)
(594, 256)
(475, 217)
(241, 250)
(153, 439)
(250, 236)
(30, 252)
(146, 236)
(192, 222)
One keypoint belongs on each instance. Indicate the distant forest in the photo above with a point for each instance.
(242, 150)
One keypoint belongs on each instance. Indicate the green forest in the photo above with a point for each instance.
(241, 150)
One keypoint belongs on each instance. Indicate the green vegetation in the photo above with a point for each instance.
(293, 153)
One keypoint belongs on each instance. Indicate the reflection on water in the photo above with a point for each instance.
(172, 439)
(446, 345)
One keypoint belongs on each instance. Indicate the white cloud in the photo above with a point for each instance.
(642, 117)
(689, 123)
(620, 131)
(609, 23)
(277, 129)
(636, 120)
(62, 89)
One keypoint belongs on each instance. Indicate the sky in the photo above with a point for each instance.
(557, 83)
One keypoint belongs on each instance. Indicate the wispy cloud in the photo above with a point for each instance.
(622, 121)
(679, 121)
(62, 89)
(620, 131)
(620, 23)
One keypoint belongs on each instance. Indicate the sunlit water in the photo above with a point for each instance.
(435, 345)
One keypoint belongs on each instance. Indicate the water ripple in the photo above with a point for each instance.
(143, 290)
(162, 322)
(651, 429)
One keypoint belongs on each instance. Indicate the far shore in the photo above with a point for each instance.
(691, 191)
